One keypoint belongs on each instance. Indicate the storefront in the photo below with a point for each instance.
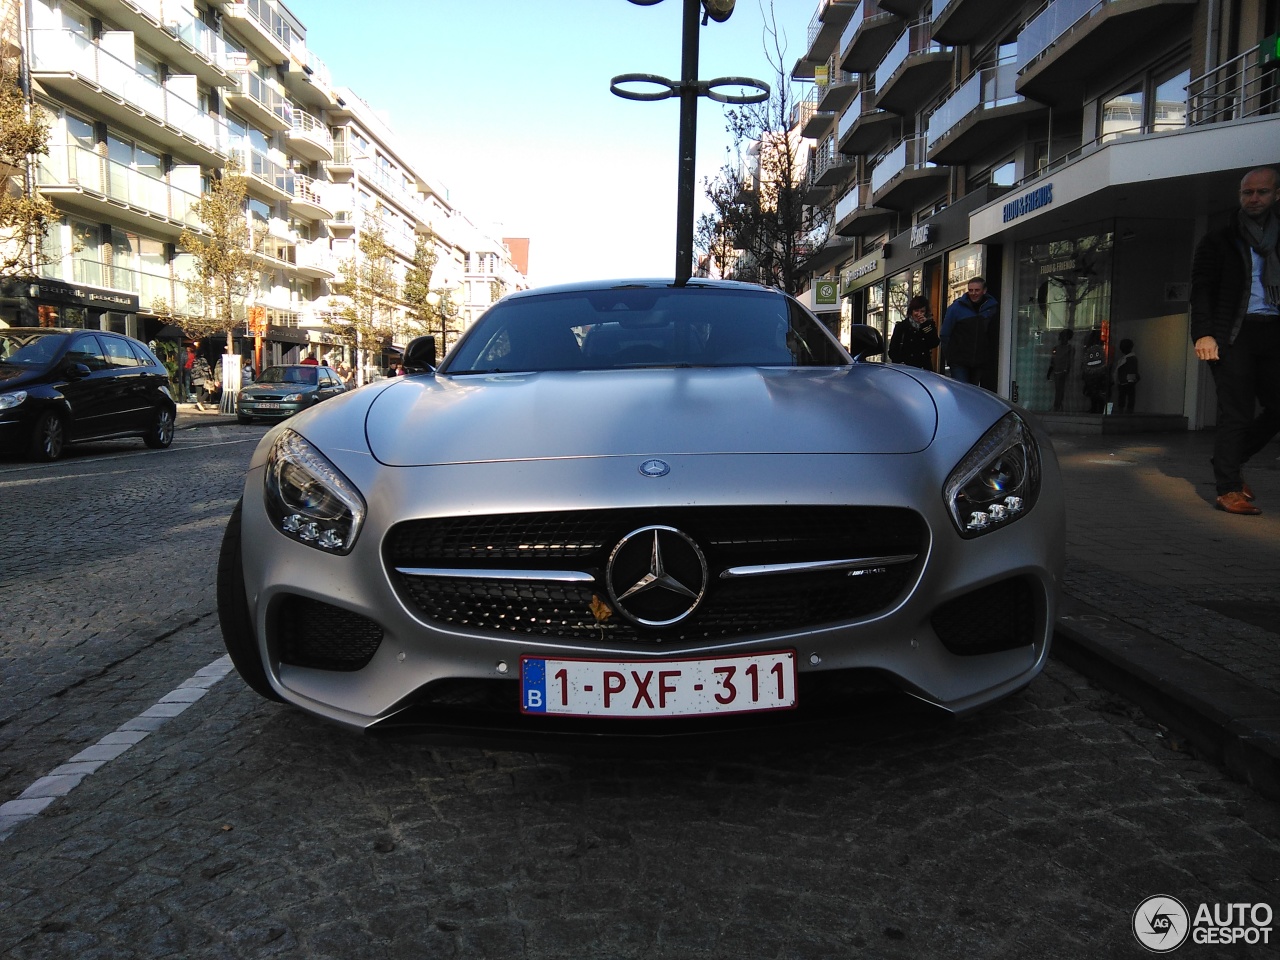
(44, 302)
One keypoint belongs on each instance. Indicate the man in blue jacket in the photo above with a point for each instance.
(1235, 326)
(965, 328)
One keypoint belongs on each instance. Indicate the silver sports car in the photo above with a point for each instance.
(617, 502)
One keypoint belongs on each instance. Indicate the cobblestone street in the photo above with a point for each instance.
(240, 828)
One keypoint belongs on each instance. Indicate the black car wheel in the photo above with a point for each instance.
(161, 433)
(49, 437)
(233, 612)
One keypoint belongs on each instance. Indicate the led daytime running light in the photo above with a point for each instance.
(308, 498)
(997, 481)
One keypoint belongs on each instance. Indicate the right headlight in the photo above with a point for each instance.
(308, 498)
(10, 400)
(997, 481)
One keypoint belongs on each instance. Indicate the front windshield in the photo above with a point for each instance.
(608, 329)
(28, 348)
(288, 375)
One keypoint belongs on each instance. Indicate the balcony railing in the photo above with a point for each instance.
(265, 95)
(857, 197)
(62, 51)
(196, 34)
(66, 165)
(987, 88)
(270, 21)
(308, 126)
(907, 155)
(1056, 18)
(1234, 90)
(916, 39)
(304, 188)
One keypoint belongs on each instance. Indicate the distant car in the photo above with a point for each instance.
(615, 503)
(68, 386)
(281, 392)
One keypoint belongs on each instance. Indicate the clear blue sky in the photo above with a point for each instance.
(507, 104)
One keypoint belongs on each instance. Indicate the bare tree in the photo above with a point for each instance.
(368, 295)
(760, 227)
(226, 269)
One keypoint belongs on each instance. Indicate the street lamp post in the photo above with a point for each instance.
(689, 89)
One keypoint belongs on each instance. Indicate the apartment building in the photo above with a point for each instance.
(1071, 152)
(147, 100)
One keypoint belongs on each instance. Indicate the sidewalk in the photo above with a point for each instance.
(1171, 602)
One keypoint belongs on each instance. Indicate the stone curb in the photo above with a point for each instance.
(1232, 722)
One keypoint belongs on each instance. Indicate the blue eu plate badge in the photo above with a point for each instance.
(533, 686)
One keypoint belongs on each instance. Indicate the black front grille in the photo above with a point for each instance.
(311, 633)
(1000, 616)
(728, 536)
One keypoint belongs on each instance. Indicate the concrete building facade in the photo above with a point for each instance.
(1071, 152)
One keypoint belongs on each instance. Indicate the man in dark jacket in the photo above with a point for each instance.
(1235, 326)
(966, 327)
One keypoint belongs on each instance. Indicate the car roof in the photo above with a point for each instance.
(649, 283)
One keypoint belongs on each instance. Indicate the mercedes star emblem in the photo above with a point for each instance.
(657, 576)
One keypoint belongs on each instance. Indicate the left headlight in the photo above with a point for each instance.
(10, 400)
(308, 498)
(997, 481)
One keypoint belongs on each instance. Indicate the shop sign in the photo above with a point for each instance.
(826, 291)
(1029, 202)
(864, 272)
(921, 235)
(83, 296)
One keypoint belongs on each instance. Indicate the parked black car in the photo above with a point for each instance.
(280, 392)
(66, 386)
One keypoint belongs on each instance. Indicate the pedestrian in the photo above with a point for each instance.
(914, 338)
(1061, 362)
(310, 360)
(966, 327)
(188, 364)
(201, 381)
(1095, 372)
(1126, 377)
(1235, 326)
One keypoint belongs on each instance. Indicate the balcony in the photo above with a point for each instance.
(838, 89)
(309, 80)
(906, 9)
(171, 28)
(913, 71)
(316, 260)
(1061, 48)
(80, 180)
(867, 37)
(817, 124)
(985, 109)
(305, 198)
(266, 177)
(830, 167)
(962, 21)
(309, 138)
(111, 87)
(856, 214)
(269, 33)
(825, 28)
(903, 177)
(865, 129)
(259, 102)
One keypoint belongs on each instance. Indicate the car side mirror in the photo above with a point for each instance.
(420, 355)
(77, 371)
(865, 341)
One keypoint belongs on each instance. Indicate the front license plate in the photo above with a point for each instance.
(268, 405)
(658, 688)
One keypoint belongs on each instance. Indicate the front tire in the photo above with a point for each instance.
(49, 438)
(161, 433)
(233, 613)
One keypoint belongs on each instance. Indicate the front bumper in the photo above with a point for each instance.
(415, 658)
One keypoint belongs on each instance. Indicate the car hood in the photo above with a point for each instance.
(13, 377)
(257, 388)
(866, 408)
